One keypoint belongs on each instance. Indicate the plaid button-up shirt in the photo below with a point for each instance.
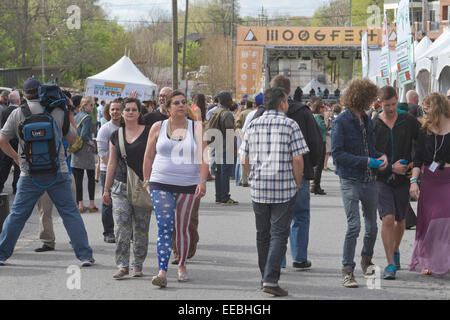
(270, 142)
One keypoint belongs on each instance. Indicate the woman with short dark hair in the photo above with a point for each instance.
(131, 223)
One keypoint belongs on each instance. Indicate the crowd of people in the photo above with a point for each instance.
(159, 156)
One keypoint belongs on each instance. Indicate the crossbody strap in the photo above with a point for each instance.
(123, 152)
(81, 121)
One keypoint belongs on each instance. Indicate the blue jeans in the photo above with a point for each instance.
(273, 222)
(222, 174)
(61, 195)
(107, 214)
(354, 192)
(237, 171)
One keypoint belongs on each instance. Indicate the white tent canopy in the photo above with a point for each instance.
(120, 80)
(430, 63)
(315, 84)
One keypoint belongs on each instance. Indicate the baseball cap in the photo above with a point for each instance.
(245, 96)
(259, 99)
(31, 84)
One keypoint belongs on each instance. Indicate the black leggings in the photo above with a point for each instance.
(78, 175)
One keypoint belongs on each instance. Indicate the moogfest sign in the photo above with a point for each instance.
(307, 36)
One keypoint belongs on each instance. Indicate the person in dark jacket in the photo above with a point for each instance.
(356, 158)
(298, 94)
(395, 132)
(299, 236)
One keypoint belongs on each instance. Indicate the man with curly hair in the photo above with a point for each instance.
(356, 161)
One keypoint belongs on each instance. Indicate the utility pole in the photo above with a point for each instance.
(42, 59)
(424, 16)
(232, 47)
(174, 45)
(183, 74)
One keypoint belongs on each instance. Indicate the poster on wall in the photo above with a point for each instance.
(404, 44)
(385, 61)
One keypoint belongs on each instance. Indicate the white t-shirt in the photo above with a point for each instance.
(103, 136)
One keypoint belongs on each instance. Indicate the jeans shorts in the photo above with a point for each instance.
(393, 200)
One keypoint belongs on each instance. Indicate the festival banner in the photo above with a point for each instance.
(249, 65)
(404, 44)
(385, 61)
(365, 56)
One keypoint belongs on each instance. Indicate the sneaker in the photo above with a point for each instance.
(305, 265)
(121, 273)
(159, 281)
(109, 238)
(44, 248)
(348, 280)
(397, 260)
(137, 272)
(367, 266)
(389, 272)
(276, 291)
(88, 263)
(230, 202)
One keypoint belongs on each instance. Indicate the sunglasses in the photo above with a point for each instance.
(130, 110)
(176, 103)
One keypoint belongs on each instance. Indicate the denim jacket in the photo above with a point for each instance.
(84, 130)
(347, 146)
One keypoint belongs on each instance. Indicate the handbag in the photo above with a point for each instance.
(78, 144)
(137, 194)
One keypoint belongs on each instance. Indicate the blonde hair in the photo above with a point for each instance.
(85, 101)
(439, 106)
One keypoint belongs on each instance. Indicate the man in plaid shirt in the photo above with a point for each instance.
(272, 150)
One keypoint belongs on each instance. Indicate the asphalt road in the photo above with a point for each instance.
(224, 268)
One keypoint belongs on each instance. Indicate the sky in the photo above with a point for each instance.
(136, 9)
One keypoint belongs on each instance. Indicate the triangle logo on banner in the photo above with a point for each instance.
(250, 36)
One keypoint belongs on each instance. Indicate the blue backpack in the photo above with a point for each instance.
(41, 149)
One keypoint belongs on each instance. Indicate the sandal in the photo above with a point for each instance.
(94, 209)
(182, 276)
(159, 281)
(83, 210)
(426, 272)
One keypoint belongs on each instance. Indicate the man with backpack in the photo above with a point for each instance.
(223, 120)
(41, 157)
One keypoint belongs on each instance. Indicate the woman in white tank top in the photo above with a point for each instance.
(175, 174)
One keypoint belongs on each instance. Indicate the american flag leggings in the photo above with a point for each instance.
(172, 208)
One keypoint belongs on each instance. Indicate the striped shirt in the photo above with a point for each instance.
(270, 142)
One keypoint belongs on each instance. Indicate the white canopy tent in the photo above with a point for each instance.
(120, 80)
(430, 64)
(315, 84)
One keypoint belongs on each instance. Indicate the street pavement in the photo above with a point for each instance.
(225, 266)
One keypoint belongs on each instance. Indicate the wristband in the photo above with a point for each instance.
(413, 180)
(146, 184)
(204, 181)
(107, 190)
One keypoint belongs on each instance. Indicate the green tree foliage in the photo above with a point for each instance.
(85, 51)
